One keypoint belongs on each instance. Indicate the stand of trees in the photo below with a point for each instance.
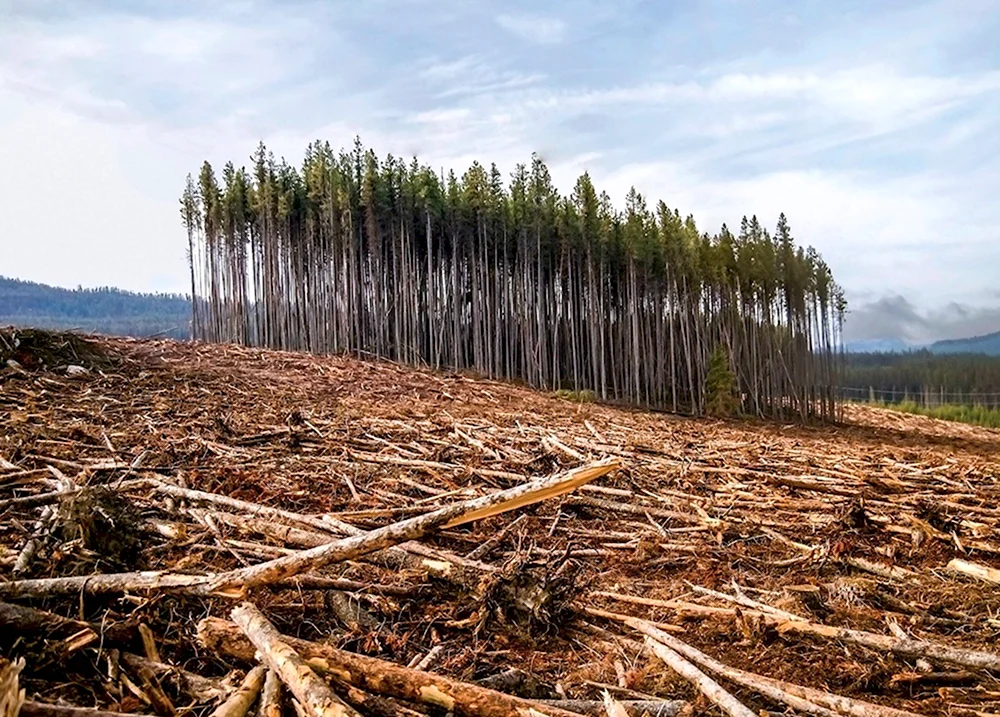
(387, 258)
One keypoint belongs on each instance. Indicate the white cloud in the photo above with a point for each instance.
(875, 94)
(867, 228)
(80, 209)
(862, 148)
(443, 116)
(534, 28)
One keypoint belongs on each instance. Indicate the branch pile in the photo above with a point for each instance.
(217, 530)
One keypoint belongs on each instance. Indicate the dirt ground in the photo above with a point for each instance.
(850, 525)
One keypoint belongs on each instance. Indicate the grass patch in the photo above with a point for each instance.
(974, 415)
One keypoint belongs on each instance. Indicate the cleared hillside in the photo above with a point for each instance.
(845, 526)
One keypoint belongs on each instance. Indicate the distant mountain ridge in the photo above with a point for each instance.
(988, 344)
(105, 310)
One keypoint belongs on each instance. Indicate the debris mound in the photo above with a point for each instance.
(44, 350)
(105, 523)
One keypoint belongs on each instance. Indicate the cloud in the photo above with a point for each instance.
(895, 317)
(876, 131)
(443, 116)
(533, 28)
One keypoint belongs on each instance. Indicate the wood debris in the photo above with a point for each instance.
(414, 543)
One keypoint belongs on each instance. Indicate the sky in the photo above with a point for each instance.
(875, 126)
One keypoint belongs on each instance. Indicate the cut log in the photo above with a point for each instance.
(803, 699)
(315, 696)
(705, 684)
(934, 651)
(239, 702)
(974, 570)
(381, 677)
(111, 583)
(395, 533)
(270, 698)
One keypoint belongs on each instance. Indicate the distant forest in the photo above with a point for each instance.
(923, 377)
(511, 279)
(987, 344)
(105, 310)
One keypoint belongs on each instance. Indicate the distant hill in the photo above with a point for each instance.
(883, 346)
(105, 310)
(988, 344)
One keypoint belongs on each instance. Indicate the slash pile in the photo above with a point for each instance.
(200, 529)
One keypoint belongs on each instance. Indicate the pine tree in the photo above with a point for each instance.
(721, 399)
(384, 258)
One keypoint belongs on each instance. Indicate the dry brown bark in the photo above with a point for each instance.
(379, 676)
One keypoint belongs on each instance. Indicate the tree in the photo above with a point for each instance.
(384, 258)
(721, 399)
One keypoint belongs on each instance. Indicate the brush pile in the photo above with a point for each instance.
(193, 529)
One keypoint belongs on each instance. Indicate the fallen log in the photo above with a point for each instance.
(313, 694)
(803, 699)
(113, 583)
(395, 533)
(233, 583)
(239, 702)
(974, 570)
(381, 677)
(705, 684)
(909, 647)
(22, 619)
(270, 698)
